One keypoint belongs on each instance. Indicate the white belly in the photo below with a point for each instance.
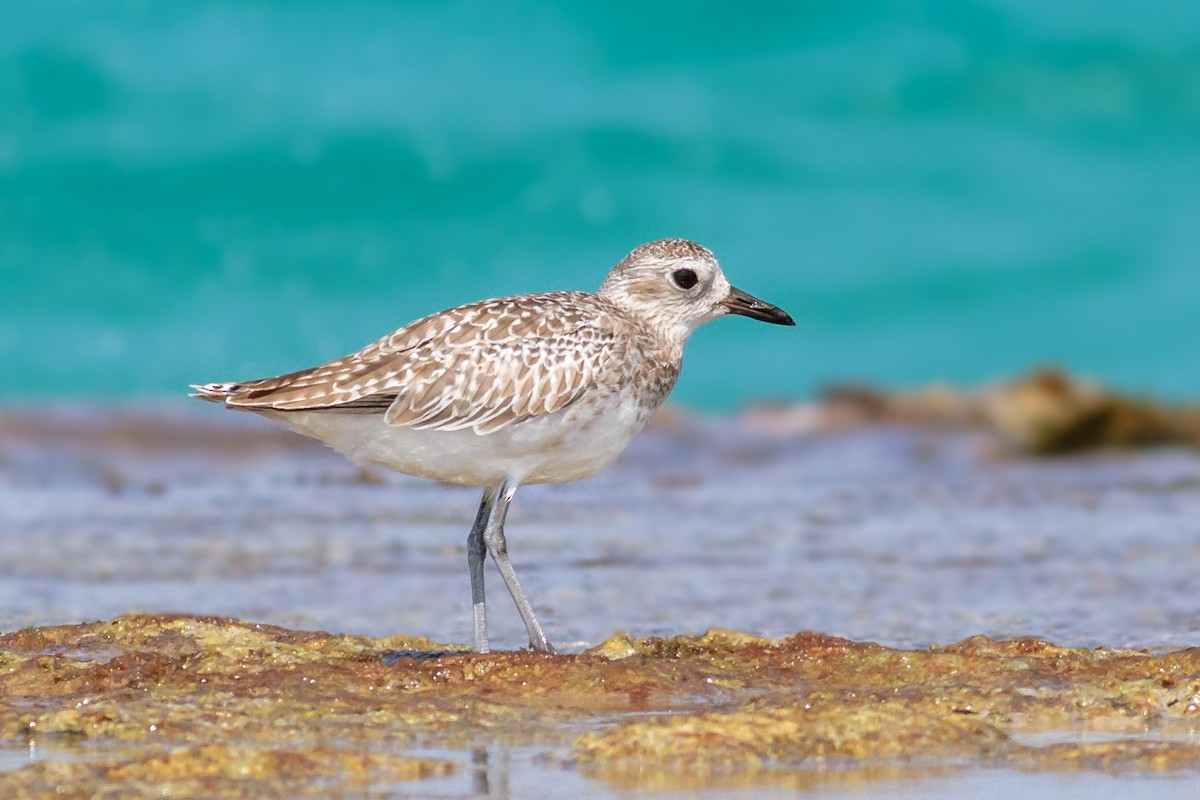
(566, 445)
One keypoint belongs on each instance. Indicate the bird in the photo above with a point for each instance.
(495, 394)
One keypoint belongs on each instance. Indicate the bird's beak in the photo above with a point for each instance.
(738, 302)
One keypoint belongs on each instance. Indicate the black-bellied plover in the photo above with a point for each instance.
(537, 388)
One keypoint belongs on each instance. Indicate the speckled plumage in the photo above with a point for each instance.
(525, 389)
(481, 366)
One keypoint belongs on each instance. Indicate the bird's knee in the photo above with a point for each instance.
(495, 543)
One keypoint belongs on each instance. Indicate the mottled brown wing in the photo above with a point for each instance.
(484, 365)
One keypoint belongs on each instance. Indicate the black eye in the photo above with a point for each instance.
(684, 278)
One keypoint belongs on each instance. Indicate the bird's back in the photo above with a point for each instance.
(482, 366)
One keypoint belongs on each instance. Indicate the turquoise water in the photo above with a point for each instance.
(935, 190)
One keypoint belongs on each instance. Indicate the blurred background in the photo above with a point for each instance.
(937, 190)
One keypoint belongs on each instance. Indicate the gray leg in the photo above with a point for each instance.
(493, 538)
(475, 552)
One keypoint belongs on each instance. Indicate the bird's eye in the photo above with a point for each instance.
(684, 278)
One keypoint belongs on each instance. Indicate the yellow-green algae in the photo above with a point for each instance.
(140, 705)
(1045, 412)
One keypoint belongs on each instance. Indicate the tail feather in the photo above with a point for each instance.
(214, 392)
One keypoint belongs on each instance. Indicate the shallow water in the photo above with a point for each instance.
(499, 773)
(520, 772)
(900, 536)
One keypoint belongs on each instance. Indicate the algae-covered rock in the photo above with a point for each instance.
(142, 705)
(1046, 412)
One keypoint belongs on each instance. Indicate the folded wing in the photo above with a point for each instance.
(482, 366)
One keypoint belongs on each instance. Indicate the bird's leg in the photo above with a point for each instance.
(475, 552)
(493, 537)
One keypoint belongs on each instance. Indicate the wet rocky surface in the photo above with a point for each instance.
(1044, 412)
(915, 605)
(195, 706)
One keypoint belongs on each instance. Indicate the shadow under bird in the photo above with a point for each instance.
(536, 388)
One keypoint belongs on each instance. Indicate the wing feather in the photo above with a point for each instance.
(481, 366)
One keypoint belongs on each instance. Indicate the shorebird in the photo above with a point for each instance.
(535, 388)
